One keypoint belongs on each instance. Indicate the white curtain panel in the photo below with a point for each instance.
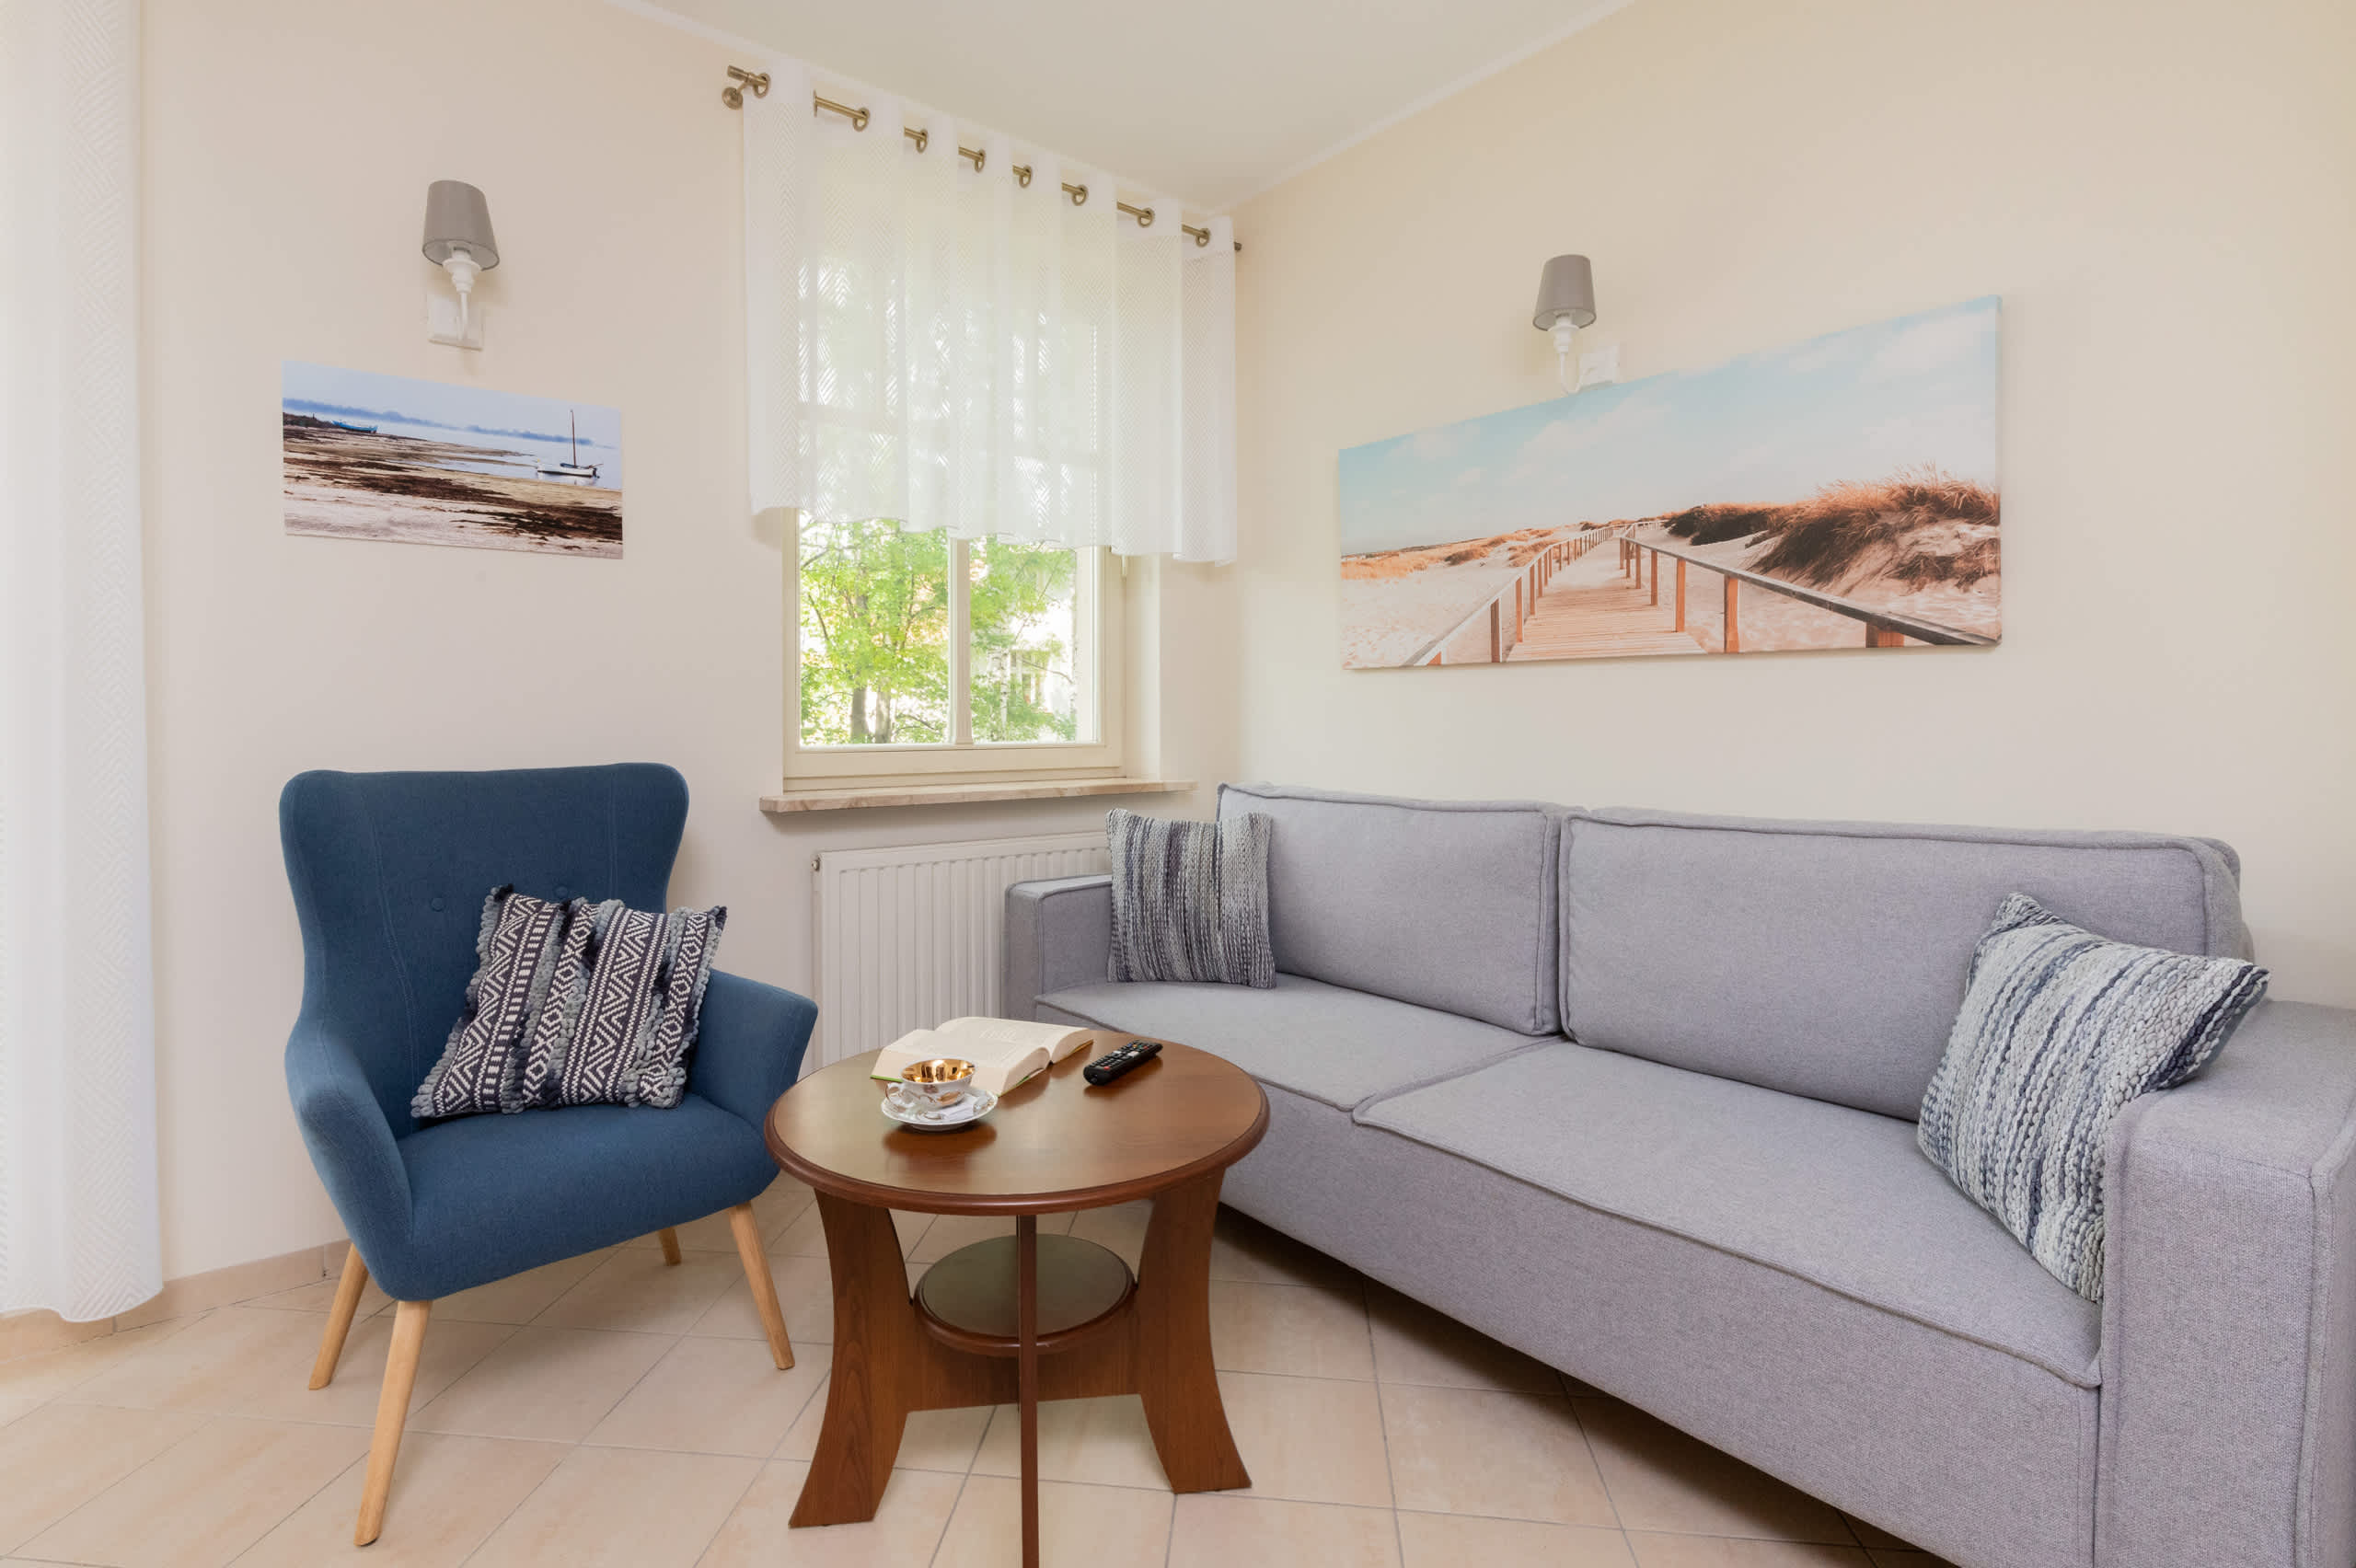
(77, 1117)
(953, 348)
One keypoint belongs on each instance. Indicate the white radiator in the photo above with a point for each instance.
(909, 936)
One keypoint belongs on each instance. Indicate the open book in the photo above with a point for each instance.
(1004, 1050)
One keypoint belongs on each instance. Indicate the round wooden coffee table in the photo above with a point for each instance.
(1022, 1318)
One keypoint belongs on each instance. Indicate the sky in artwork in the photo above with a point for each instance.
(1767, 428)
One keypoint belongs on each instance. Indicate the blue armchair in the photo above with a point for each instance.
(390, 871)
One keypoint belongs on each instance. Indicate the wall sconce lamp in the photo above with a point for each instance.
(459, 241)
(1565, 304)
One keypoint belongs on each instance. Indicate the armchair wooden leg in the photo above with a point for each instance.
(748, 1231)
(670, 1239)
(347, 1302)
(392, 1414)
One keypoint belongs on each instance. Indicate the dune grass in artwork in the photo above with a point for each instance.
(1838, 494)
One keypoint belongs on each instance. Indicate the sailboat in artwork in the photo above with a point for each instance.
(576, 468)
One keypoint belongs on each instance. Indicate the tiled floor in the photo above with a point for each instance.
(611, 1410)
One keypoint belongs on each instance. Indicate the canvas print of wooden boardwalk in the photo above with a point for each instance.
(1840, 493)
(369, 456)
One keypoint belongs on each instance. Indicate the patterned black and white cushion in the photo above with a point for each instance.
(623, 1006)
(482, 1066)
(2060, 1029)
(1190, 899)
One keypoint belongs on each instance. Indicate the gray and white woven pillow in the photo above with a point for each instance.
(1190, 899)
(482, 1065)
(623, 1006)
(2060, 1029)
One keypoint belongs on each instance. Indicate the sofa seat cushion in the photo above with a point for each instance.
(493, 1195)
(1838, 1197)
(1335, 1045)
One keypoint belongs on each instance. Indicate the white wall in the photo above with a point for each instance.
(2164, 195)
(289, 146)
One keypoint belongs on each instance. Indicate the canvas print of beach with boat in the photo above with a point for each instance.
(1840, 493)
(369, 456)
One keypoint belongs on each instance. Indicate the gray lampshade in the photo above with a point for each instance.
(457, 217)
(1566, 288)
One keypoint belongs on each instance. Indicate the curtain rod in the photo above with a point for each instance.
(733, 95)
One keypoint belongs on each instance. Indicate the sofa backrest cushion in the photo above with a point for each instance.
(1828, 959)
(1444, 904)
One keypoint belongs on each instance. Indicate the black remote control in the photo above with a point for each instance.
(1136, 1053)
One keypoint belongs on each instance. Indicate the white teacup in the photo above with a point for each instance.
(935, 1085)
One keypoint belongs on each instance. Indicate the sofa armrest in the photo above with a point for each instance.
(2229, 1308)
(351, 1143)
(749, 1042)
(1058, 933)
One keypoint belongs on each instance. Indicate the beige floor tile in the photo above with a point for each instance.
(1413, 1343)
(1485, 1451)
(781, 1205)
(1121, 1228)
(949, 1231)
(448, 1495)
(1733, 1551)
(11, 1408)
(1101, 1442)
(712, 1396)
(520, 1297)
(204, 1499)
(1450, 1541)
(805, 1291)
(1661, 1480)
(63, 1455)
(251, 1362)
(932, 1439)
(1214, 1530)
(637, 1291)
(907, 1528)
(1309, 1439)
(713, 1233)
(319, 1295)
(1303, 1330)
(553, 1385)
(622, 1508)
(57, 1372)
(1103, 1526)
(1246, 1250)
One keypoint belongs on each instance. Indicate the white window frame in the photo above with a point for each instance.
(1096, 663)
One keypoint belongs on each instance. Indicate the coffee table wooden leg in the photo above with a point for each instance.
(1026, 1362)
(877, 1341)
(1174, 1375)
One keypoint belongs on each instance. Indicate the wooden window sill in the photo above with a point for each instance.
(794, 800)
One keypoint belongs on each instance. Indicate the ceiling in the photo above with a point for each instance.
(1211, 101)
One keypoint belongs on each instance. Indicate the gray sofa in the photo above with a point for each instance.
(1634, 1092)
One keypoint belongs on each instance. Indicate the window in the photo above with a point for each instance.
(919, 654)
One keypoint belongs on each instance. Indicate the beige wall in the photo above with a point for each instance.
(2164, 195)
(289, 149)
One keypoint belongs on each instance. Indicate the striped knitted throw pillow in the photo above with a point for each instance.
(515, 957)
(1190, 899)
(2060, 1029)
(623, 1006)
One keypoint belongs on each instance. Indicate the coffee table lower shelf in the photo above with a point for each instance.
(969, 1301)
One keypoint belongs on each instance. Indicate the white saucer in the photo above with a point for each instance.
(977, 1105)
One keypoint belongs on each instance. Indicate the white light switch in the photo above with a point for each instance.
(1600, 366)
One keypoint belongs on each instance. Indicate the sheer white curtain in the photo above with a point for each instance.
(77, 1122)
(951, 347)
